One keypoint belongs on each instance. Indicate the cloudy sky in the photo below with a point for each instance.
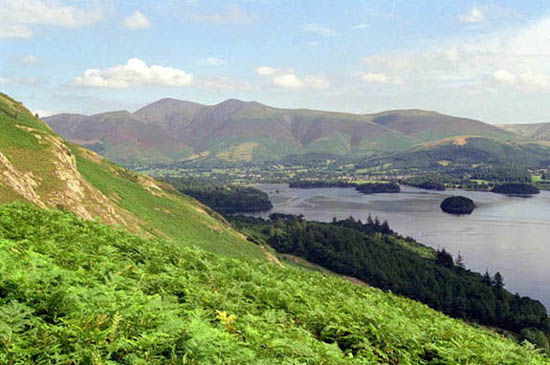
(485, 60)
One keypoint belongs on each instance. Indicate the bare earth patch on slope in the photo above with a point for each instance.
(71, 190)
(79, 196)
(22, 183)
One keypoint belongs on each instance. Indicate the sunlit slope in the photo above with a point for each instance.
(538, 131)
(432, 126)
(74, 291)
(40, 167)
(468, 151)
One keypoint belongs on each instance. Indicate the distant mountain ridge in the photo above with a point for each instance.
(538, 131)
(170, 130)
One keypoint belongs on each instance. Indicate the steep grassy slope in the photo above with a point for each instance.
(74, 291)
(38, 166)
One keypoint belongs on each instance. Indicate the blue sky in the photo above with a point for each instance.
(485, 60)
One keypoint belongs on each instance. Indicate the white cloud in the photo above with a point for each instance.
(136, 21)
(232, 14)
(266, 71)
(18, 16)
(527, 81)
(134, 73)
(319, 29)
(29, 60)
(474, 15)
(359, 26)
(3, 80)
(14, 31)
(211, 61)
(535, 81)
(505, 77)
(500, 75)
(512, 57)
(288, 79)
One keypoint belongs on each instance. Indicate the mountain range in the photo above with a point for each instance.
(172, 130)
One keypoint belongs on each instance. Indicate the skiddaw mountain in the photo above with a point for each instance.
(237, 131)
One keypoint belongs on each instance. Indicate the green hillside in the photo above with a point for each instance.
(538, 131)
(467, 151)
(40, 167)
(432, 126)
(74, 291)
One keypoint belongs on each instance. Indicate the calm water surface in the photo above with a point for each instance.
(506, 234)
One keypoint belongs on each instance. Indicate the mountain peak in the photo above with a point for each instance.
(231, 102)
(170, 101)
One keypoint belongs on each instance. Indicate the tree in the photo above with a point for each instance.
(487, 278)
(444, 258)
(459, 262)
(370, 222)
(498, 281)
(385, 228)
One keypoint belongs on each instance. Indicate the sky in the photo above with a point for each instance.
(484, 60)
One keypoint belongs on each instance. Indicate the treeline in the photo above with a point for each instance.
(515, 189)
(316, 184)
(223, 199)
(371, 188)
(430, 182)
(365, 188)
(502, 174)
(372, 252)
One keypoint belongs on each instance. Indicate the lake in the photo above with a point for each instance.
(506, 234)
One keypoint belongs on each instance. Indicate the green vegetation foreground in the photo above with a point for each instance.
(74, 291)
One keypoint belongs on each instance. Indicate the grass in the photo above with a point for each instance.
(30, 153)
(174, 215)
(421, 250)
(75, 291)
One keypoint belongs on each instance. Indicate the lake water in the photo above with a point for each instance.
(506, 234)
